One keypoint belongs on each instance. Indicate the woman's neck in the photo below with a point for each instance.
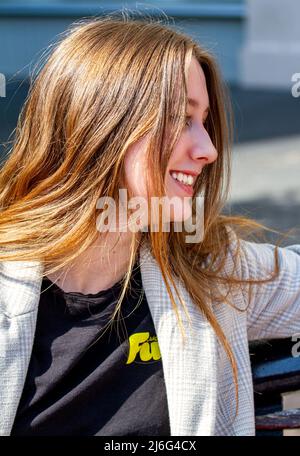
(98, 268)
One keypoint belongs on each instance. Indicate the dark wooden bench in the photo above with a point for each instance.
(275, 372)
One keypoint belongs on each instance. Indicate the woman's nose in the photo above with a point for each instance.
(202, 148)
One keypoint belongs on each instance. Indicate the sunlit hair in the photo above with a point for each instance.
(108, 82)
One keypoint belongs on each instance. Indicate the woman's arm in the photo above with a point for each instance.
(274, 307)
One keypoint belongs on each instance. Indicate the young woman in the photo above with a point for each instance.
(132, 105)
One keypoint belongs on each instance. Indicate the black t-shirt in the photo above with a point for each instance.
(87, 378)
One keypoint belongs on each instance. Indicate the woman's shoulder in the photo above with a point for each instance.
(259, 257)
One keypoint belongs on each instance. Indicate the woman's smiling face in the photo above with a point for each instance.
(192, 152)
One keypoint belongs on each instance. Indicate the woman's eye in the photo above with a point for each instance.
(188, 121)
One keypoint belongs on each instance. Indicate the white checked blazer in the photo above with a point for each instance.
(198, 375)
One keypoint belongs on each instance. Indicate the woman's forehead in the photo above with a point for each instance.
(196, 86)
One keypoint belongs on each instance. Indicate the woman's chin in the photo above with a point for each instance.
(180, 212)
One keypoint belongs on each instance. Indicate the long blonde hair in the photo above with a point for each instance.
(108, 82)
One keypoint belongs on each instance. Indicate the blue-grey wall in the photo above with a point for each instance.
(26, 30)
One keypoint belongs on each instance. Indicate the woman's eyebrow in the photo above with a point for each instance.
(195, 104)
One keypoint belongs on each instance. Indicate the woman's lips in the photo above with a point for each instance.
(186, 188)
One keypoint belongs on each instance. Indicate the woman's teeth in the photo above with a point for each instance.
(186, 179)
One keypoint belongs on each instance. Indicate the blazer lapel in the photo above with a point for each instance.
(19, 300)
(190, 371)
